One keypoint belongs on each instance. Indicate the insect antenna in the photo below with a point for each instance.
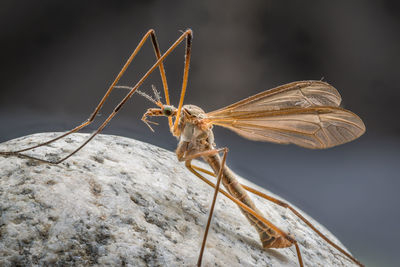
(156, 93)
(156, 101)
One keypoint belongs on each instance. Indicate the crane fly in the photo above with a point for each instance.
(304, 113)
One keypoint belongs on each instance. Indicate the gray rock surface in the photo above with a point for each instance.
(121, 202)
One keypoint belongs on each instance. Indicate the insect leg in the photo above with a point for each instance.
(245, 207)
(162, 73)
(117, 108)
(184, 82)
(298, 214)
(285, 205)
(212, 207)
(126, 98)
(101, 103)
(219, 176)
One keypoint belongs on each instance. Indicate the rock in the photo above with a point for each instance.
(123, 202)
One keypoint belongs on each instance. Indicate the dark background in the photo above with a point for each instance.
(57, 59)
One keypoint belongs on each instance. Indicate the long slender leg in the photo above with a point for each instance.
(193, 154)
(117, 108)
(184, 83)
(219, 176)
(162, 73)
(245, 207)
(285, 205)
(126, 98)
(112, 86)
(298, 214)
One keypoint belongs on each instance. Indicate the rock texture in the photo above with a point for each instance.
(121, 202)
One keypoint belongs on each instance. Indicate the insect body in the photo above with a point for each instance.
(305, 113)
(202, 140)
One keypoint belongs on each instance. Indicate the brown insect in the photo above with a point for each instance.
(305, 113)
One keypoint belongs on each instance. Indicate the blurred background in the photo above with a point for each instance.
(59, 57)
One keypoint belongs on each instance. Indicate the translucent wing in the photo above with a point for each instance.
(296, 94)
(301, 113)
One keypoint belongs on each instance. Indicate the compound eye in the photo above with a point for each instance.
(167, 111)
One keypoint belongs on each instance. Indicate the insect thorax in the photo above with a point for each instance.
(195, 135)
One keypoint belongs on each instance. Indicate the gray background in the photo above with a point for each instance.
(58, 59)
